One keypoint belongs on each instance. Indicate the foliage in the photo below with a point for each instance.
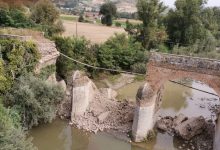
(139, 68)
(127, 15)
(47, 71)
(14, 17)
(108, 10)
(11, 135)
(44, 12)
(150, 33)
(209, 20)
(117, 24)
(120, 52)
(184, 24)
(5, 84)
(34, 99)
(44, 17)
(17, 57)
(201, 48)
(73, 47)
(81, 18)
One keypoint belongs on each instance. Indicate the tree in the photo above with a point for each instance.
(44, 12)
(81, 18)
(211, 21)
(150, 32)
(184, 24)
(108, 10)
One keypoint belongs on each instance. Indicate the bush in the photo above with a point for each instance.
(14, 18)
(139, 68)
(34, 99)
(120, 52)
(117, 24)
(47, 71)
(44, 12)
(17, 57)
(5, 84)
(77, 48)
(11, 135)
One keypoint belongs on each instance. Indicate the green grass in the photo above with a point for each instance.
(69, 17)
(139, 78)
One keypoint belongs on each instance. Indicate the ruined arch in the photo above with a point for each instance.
(162, 68)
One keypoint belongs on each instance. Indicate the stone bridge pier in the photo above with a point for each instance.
(162, 68)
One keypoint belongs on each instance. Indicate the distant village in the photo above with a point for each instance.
(91, 8)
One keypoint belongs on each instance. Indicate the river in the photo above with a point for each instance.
(176, 99)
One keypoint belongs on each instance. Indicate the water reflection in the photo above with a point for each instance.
(193, 103)
(129, 91)
(60, 136)
(174, 97)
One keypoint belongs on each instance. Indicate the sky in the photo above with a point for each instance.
(210, 2)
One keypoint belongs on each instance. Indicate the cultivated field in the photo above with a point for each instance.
(93, 32)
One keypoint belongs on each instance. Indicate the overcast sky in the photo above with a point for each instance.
(210, 2)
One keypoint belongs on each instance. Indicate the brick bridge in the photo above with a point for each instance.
(161, 68)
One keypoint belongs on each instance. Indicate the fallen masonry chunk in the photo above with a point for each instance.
(191, 127)
(165, 124)
(179, 119)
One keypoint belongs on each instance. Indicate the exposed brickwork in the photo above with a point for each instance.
(164, 67)
(186, 63)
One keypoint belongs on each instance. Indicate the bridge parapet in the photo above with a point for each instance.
(186, 63)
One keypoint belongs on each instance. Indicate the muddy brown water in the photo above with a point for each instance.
(176, 99)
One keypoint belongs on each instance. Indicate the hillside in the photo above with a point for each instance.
(122, 5)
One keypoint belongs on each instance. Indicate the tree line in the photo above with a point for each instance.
(189, 28)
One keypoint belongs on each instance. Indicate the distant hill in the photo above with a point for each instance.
(122, 5)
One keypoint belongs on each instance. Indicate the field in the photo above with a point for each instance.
(69, 17)
(93, 32)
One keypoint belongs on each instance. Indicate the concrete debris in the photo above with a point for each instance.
(181, 126)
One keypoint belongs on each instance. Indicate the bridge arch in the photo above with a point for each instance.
(160, 69)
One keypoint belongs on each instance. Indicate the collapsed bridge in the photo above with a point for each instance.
(165, 67)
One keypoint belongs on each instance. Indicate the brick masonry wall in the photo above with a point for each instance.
(186, 63)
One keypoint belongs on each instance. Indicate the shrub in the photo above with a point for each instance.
(17, 57)
(34, 99)
(47, 71)
(5, 84)
(120, 52)
(11, 135)
(77, 48)
(117, 24)
(44, 12)
(139, 68)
